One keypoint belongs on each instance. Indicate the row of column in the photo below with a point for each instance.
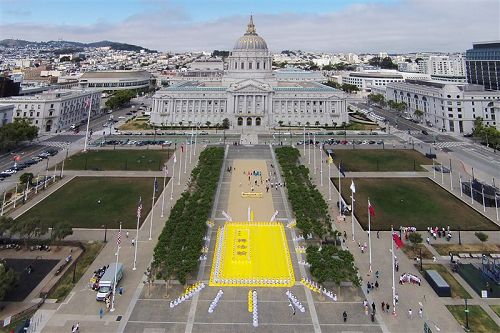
(249, 104)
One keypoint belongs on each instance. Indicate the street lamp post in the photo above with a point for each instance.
(466, 315)
(105, 226)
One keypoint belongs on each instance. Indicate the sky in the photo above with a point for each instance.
(360, 26)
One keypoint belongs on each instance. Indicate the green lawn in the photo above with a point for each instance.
(457, 291)
(135, 160)
(78, 202)
(496, 308)
(360, 160)
(408, 202)
(479, 321)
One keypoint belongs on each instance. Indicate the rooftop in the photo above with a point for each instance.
(116, 74)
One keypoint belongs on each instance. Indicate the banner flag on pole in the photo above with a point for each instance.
(341, 170)
(175, 158)
(397, 240)
(182, 148)
(139, 208)
(353, 188)
(119, 238)
(156, 185)
(330, 159)
(371, 209)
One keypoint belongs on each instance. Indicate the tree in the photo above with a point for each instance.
(332, 264)
(481, 236)
(316, 123)
(225, 123)
(418, 113)
(120, 98)
(415, 238)
(6, 224)
(14, 133)
(208, 123)
(385, 63)
(349, 88)
(280, 123)
(333, 84)
(8, 278)
(376, 98)
(61, 230)
(29, 228)
(26, 177)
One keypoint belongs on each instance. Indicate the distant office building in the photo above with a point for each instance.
(368, 80)
(55, 110)
(8, 87)
(483, 64)
(451, 107)
(116, 80)
(6, 112)
(410, 67)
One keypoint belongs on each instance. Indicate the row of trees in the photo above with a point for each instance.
(330, 263)
(181, 240)
(120, 98)
(29, 229)
(348, 88)
(310, 209)
(488, 135)
(18, 131)
(385, 63)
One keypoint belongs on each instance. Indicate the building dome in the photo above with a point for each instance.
(250, 40)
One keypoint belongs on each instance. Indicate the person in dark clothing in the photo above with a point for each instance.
(344, 315)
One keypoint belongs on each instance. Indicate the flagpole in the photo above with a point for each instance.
(321, 166)
(329, 180)
(155, 184)
(88, 123)
(3, 202)
(433, 169)
(185, 158)
(393, 280)
(496, 204)
(460, 180)
(46, 176)
(164, 189)
(195, 136)
(26, 190)
(172, 180)
(340, 192)
(352, 212)
(309, 146)
(484, 204)
(369, 237)
(304, 142)
(62, 168)
(442, 174)
(180, 167)
(36, 187)
(15, 197)
(116, 269)
(191, 148)
(471, 194)
(314, 152)
(136, 245)
(451, 180)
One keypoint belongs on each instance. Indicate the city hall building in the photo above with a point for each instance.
(250, 95)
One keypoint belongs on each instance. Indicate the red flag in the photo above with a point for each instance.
(397, 240)
(182, 148)
(371, 209)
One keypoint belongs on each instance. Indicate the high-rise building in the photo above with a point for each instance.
(483, 64)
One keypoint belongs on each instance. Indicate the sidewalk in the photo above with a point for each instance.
(80, 305)
(409, 295)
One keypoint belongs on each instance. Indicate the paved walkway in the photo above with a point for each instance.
(80, 305)
(409, 295)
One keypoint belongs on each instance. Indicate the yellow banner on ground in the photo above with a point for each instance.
(252, 194)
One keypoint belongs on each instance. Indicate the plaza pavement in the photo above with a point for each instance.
(151, 312)
(80, 305)
(410, 296)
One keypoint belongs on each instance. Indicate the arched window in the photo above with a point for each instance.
(240, 121)
(242, 65)
(264, 63)
(235, 65)
(257, 121)
(258, 65)
(249, 121)
(250, 65)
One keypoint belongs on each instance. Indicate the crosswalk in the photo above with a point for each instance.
(450, 144)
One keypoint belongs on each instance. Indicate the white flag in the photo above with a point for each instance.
(175, 158)
(353, 188)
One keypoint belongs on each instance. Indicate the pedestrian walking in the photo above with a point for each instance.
(378, 234)
(376, 274)
(345, 235)
(373, 306)
(126, 234)
(120, 290)
(133, 241)
(101, 313)
(387, 306)
(373, 316)
(383, 306)
(409, 314)
(376, 284)
(344, 315)
(421, 313)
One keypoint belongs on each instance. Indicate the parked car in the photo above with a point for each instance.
(424, 132)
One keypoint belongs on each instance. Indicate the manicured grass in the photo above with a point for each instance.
(134, 160)
(457, 291)
(496, 308)
(78, 202)
(66, 284)
(361, 160)
(416, 202)
(479, 321)
(445, 249)
(414, 252)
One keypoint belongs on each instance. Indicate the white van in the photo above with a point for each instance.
(107, 281)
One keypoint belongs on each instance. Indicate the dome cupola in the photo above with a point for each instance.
(250, 40)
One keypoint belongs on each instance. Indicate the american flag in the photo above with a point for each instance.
(156, 185)
(139, 208)
(88, 101)
(119, 239)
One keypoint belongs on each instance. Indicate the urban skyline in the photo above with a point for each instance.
(394, 26)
